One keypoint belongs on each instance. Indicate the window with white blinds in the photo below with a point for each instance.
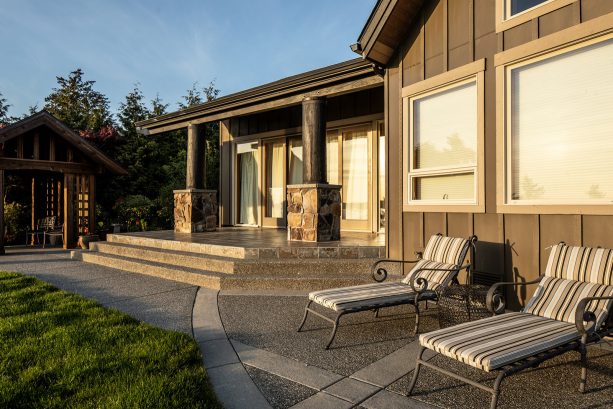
(560, 128)
(443, 145)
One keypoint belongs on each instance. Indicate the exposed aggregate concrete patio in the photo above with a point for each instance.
(255, 358)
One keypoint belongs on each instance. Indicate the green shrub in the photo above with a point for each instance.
(15, 219)
(137, 212)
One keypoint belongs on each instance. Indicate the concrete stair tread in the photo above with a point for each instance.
(176, 253)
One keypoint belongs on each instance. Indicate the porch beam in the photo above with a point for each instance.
(45, 165)
(314, 140)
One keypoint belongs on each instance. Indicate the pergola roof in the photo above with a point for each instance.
(44, 118)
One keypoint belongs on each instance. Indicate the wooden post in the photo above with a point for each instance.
(36, 147)
(69, 210)
(2, 212)
(33, 204)
(314, 140)
(92, 204)
(194, 175)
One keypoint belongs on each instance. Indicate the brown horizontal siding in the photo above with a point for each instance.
(449, 34)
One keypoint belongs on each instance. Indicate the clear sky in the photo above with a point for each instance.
(166, 46)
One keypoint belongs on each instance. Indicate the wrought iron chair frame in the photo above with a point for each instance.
(418, 285)
(495, 303)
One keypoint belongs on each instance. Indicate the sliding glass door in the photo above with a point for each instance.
(247, 183)
(355, 160)
(349, 164)
(274, 184)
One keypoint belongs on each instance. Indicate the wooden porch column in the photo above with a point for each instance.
(2, 212)
(34, 213)
(314, 207)
(194, 176)
(69, 211)
(314, 140)
(91, 206)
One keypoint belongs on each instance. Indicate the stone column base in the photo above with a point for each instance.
(313, 212)
(195, 210)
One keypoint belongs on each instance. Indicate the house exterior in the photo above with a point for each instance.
(485, 117)
(261, 145)
(498, 117)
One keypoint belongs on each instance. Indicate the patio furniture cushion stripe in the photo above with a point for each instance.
(497, 341)
(445, 249)
(557, 298)
(587, 264)
(435, 277)
(368, 295)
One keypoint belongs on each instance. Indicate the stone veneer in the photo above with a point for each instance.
(313, 212)
(195, 210)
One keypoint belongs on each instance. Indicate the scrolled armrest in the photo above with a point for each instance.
(495, 301)
(380, 274)
(582, 316)
(422, 283)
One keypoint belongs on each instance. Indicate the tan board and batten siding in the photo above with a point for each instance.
(447, 34)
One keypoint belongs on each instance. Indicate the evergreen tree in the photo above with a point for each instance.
(4, 109)
(77, 104)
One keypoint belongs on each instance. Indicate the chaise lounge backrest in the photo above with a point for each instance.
(447, 253)
(573, 273)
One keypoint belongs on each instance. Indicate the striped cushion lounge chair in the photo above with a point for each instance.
(436, 268)
(570, 309)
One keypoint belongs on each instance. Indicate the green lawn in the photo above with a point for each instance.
(60, 350)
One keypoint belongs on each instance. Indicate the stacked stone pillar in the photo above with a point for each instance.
(314, 207)
(195, 208)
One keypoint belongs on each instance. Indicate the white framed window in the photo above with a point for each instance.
(557, 121)
(444, 142)
(510, 13)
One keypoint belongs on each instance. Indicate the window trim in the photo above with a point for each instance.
(504, 23)
(577, 37)
(474, 71)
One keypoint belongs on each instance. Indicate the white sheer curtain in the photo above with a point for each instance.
(355, 175)
(332, 159)
(248, 188)
(274, 180)
(295, 162)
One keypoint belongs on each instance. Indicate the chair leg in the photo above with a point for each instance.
(376, 311)
(44, 239)
(334, 329)
(416, 371)
(496, 392)
(306, 310)
(583, 352)
(416, 330)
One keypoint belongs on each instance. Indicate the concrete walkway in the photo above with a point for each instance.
(255, 359)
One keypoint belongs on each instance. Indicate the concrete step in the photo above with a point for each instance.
(289, 266)
(184, 246)
(181, 274)
(171, 257)
(226, 265)
(215, 280)
(300, 251)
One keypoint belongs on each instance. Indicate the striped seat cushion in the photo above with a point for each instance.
(448, 250)
(435, 278)
(497, 341)
(367, 295)
(587, 264)
(557, 298)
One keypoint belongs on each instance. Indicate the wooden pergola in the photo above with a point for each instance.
(62, 168)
